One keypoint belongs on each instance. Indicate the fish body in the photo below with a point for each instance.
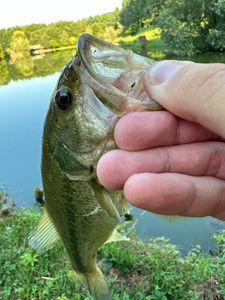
(101, 83)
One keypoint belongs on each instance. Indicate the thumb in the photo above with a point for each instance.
(192, 91)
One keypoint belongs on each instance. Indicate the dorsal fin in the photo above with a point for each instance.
(44, 235)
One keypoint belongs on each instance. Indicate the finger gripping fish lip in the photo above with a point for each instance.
(115, 75)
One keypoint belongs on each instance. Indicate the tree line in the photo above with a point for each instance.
(19, 39)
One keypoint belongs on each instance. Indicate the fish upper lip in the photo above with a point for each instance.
(86, 37)
(84, 44)
(96, 82)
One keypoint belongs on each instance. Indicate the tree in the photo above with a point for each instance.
(54, 44)
(4, 72)
(19, 45)
(73, 41)
(192, 26)
(136, 14)
(19, 53)
(131, 14)
(64, 38)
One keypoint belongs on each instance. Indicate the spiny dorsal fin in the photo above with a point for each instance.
(116, 237)
(44, 235)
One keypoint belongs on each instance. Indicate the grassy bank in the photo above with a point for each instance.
(154, 47)
(135, 270)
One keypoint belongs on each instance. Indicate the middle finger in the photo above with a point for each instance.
(197, 159)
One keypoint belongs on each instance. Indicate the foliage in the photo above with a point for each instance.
(5, 198)
(7, 204)
(58, 34)
(153, 48)
(29, 67)
(105, 26)
(19, 53)
(135, 270)
(193, 26)
(187, 27)
(54, 44)
(4, 72)
(19, 45)
(131, 14)
(136, 14)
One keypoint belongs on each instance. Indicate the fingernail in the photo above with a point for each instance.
(164, 70)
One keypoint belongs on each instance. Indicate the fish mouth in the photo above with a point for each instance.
(104, 61)
(115, 74)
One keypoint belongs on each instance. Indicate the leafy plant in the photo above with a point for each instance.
(194, 26)
(138, 270)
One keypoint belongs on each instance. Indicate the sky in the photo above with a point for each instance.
(24, 12)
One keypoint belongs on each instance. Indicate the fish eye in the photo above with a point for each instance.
(63, 98)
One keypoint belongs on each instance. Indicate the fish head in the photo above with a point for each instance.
(77, 124)
(101, 83)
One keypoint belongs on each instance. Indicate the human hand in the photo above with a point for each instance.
(173, 162)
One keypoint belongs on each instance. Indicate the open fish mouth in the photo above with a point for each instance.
(115, 75)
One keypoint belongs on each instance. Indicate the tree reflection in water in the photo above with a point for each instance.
(23, 65)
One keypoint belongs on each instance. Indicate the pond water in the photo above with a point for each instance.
(23, 106)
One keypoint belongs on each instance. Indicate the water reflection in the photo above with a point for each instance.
(4, 72)
(25, 66)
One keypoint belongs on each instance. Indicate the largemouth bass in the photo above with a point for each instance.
(100, 84)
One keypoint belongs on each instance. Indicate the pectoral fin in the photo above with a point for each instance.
(116, 237)
(105, 201)
(44, 235)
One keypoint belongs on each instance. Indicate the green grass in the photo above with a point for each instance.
(134, 270)
(154, 47)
